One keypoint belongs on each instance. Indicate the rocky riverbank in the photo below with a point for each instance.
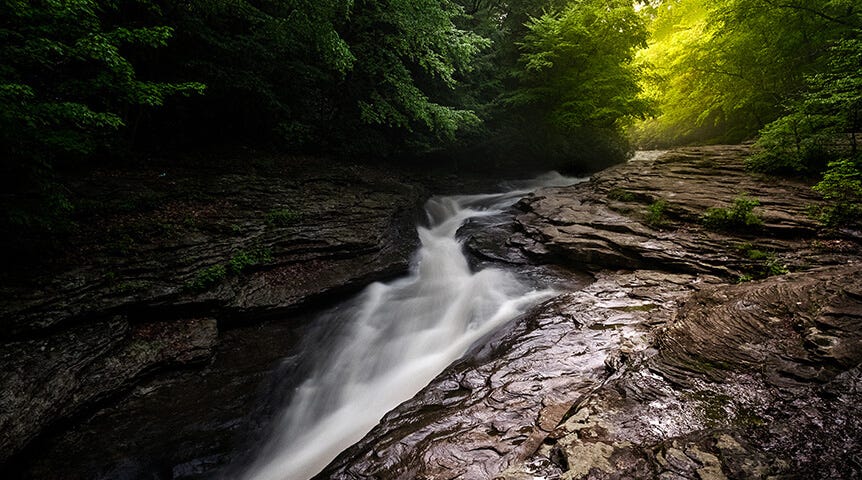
(688, 357)
(150, 281)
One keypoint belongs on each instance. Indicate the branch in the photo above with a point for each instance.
(812, 11)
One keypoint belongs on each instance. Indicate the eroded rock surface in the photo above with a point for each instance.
(147, 289)
(502, 401)
(606, 223)
(749, 381)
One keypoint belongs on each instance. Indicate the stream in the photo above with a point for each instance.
(383, 347)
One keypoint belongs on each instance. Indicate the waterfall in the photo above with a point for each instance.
(397, 337)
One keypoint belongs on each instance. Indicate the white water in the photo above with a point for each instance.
(399, 337)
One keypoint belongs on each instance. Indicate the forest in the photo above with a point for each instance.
(576, 83)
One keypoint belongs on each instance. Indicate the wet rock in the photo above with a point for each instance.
(665, 369)
(499, 404)
(59, 376)
(730, 388)
(269, 244)
(605, 223)
(143, 290)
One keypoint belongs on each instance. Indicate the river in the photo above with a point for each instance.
(394, 338)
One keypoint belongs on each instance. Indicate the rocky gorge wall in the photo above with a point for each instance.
(154, 288)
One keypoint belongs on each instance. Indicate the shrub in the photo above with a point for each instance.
(655, 215)
(738, 217)
(621, 195)
(766, 263)
(207, 278)
(841, 187)
(794, 144)
(282, 217)
(244, 259)
(238, 263)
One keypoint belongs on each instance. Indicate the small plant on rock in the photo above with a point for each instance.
(655, 213)
(621, 194)
(207, 278)
(765, 264)
(282, 217)
(740, 216)
(244, 259)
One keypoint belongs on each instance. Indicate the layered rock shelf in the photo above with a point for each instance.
(150, 289)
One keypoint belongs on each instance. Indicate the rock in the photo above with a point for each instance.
(280, 243)
(497, 406)
(144, 290)
(730, 388)
(603, 223)
(59, 376)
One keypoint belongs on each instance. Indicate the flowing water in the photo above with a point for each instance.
(396, 337)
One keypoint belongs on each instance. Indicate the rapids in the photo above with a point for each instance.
(396, 337)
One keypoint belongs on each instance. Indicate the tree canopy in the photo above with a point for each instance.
(723, 69)
(545, 82)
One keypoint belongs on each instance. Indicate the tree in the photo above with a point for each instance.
(726, 68)
(405, 51)
(66, 87)
(578, 80)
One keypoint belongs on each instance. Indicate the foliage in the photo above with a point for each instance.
(269, 66)
(245, 259)
(766, 264)
(621, 194)
(282, 217)
(304, 73)
(392, 39)
(793, 144)
(822, 125)
(740, 216)
(206, 278)
(238, 263)
(67, 86)
(722, 69)
(577, 68)
(577, 65)
(841, 187)
(656, 213)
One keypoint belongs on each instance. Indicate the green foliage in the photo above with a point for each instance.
(239, 262)
(65, 80)
(245, 259)
(822, 125)
(207, 277)
(794, 144)
(394, 38)
(556, 87)
(722, 69)
(621, 195)
(841, 187)
(739, 217)
(68, 85)
(283, 217)
(656, 213)
(766, 264)
(270, 68)
(578, 68)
